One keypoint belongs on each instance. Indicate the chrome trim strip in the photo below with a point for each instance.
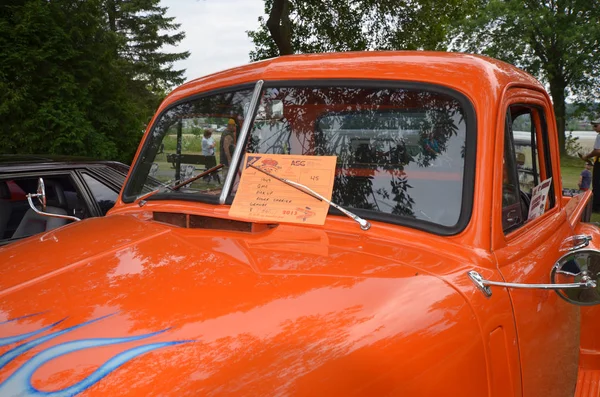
(479, 281)
(241, 139)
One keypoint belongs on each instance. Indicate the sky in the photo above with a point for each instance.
(215, 33)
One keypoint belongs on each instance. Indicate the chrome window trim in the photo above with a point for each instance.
(241, 141)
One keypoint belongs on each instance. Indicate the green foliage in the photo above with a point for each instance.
(572, 145)
(64, 86)
(556, 41)
(144, 29)
(339, 25)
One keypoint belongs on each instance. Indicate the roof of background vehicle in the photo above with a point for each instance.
(19, 162)
(466, 73)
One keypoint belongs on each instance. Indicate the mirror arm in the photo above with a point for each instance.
(574, 243)
(484, 284)
(33, 207)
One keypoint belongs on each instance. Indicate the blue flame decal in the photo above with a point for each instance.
(17, 338)
(19, 382)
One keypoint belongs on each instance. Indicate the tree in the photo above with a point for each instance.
(555, 40)
(66, 85)
(53, 55)
(310, 26)
(144, 29)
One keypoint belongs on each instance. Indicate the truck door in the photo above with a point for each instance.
(526, 247)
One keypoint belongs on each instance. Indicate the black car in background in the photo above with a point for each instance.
(74, 186)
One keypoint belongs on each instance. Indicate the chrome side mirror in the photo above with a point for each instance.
(41, 193)
(575, 277)
(576, 267)
(41, 196)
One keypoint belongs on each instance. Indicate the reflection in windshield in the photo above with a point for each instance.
(400, 151)
(189, 139)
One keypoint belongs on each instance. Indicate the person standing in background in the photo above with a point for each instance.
(596, 172)
(227, 143)
(585, 178)
(208, 143)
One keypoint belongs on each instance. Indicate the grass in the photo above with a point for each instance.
(191, 144)
(570, 168)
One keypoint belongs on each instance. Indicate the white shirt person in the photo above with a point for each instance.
(208, 143)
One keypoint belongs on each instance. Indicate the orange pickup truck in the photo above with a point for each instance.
(449, 263)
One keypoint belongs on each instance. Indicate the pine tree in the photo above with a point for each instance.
(144, 29)
(77, 80)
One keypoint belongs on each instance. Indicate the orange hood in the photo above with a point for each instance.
(146, 308)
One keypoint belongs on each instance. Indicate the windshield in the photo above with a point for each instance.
(400, 151)
(187, 140)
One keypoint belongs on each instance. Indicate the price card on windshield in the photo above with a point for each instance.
(263, 194)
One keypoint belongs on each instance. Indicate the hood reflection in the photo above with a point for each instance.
(264, 318)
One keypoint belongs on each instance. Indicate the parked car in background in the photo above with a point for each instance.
(444, 263)
(76, 187)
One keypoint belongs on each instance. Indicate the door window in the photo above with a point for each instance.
(18, 220)
(526, 165)
(104, 195)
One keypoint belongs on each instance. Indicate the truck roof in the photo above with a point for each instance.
(473, 75)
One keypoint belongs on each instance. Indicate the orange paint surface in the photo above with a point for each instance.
(306, 310)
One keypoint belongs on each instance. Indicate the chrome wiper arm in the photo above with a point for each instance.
(142, 199)
(364, 224)
(192, 179)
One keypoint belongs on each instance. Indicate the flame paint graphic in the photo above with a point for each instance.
(19, 382)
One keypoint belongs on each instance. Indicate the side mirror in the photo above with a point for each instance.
(41, 196)
(41, 193)
(579, 266)
(575, 277)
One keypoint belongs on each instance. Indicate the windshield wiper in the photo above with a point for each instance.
(142, 199)
(364, 224)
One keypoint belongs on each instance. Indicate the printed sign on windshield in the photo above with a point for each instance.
(266, 191)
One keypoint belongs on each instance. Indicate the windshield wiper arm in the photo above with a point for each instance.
(142, 199)
(192, 179)
(364, 224)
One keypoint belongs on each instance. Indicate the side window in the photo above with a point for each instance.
(18, 220)
(104, 196)
(512, 208)
(526, 165)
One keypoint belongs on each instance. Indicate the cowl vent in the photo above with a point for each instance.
(210, 223)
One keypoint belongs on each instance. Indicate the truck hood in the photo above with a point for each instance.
(145, 308)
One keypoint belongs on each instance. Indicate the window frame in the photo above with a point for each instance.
(98, 178)
(128, 198)
(69, 173)
(542, 146)
(513, 173)
(468, 187)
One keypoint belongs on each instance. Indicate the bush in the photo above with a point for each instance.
(572, 145)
